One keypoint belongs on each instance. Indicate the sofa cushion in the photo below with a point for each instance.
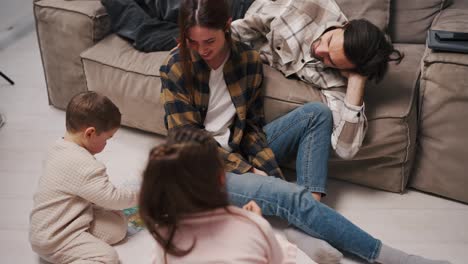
(283, 95)
(410, 20)
(387, 154)
(64, 30)
(130, 78)
(376, 11)
(386, 157)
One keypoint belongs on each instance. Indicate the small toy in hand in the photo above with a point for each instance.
(135, 224)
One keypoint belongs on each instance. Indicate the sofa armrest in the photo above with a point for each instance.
(441, 166)
(92, 11)
(450, 19)
(64, 30)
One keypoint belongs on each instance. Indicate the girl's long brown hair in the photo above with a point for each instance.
(213, 14)
(183, 176)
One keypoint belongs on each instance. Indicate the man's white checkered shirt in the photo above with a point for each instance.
(283, 32)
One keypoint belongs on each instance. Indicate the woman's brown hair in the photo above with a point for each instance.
(183, 176)
(213, 14)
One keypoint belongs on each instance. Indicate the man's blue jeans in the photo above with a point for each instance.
(304, 132)
(296, 205)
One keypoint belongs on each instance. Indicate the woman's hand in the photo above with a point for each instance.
(253, 207)
(258, 172)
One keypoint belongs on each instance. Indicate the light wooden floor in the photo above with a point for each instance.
(414, 222)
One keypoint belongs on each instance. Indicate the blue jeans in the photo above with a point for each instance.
(306, 133)
(296, 205)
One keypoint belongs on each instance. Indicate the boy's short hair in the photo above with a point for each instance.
(91, 109)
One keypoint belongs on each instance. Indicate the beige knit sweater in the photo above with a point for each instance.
(73, 181)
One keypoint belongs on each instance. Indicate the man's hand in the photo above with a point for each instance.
(356, 77)
(253, 207)
(345, 73)
(259, 172)
(355, 89)
(353, 75)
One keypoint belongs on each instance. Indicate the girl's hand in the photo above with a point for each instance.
(253, 207)
(259, 172)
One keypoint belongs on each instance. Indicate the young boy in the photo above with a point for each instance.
(76, 213)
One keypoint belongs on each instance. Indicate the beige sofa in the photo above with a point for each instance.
(417, 122)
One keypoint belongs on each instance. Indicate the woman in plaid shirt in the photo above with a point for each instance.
(213, 83)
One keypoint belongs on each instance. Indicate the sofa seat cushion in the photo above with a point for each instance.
(387, 154)
(130, 78)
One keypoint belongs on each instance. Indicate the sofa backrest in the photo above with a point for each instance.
(376, 11)
(410, 19)
(460, 4)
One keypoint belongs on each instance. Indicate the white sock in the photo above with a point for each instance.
(389, 255)
(318, 250)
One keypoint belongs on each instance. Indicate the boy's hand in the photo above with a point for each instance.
(259, 172)
(253, 207)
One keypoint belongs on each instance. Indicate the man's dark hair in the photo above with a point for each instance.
(91, 109)
(367, 47)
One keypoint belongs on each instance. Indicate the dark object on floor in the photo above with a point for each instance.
(2, 120)
(6, 78)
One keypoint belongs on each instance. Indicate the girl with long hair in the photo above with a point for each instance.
(184, 204)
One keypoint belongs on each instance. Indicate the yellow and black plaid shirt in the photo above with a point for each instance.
(243, 75)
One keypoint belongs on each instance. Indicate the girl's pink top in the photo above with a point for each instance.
(229, 236)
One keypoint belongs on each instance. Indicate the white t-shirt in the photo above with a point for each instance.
(221, 110)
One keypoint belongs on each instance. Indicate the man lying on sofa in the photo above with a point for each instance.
(313, 41)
